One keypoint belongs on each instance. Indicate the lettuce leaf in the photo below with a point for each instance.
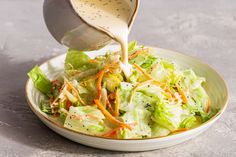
(167, 115)
(140, 59)
(140, 100)
(124, 94)
(150, 60)
(158, 130)
(140, 118)
(77, 60)
(41, 82)
(191, 80)
(112, 81)
(206, 116)
(197, 96)
(190, 122)
(166, 71)
(132, 46)
(168, 65)
(86, 119)
(62, 108)
(45, 107)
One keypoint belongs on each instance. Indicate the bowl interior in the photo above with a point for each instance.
(215, 85)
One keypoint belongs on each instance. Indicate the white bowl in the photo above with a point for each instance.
(215, 87)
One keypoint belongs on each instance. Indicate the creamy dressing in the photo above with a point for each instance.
(110, 16)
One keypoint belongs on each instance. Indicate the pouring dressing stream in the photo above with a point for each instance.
(111, 17)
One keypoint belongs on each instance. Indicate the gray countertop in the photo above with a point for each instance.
(201, 28)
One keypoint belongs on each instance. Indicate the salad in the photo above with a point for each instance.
(95, 97)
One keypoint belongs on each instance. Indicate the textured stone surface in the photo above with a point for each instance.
(203, 28)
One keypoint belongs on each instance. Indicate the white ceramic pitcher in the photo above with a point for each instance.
(69, 29)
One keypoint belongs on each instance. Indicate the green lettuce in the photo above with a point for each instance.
(168, 65)
(132, 45)
(41, 82)
(140, 59)
(150, 60)
(191, 80)
(167, 115)
(197, 96)
(85, 119)
(206, 116)
(140, 98)
(166, 71)
(77, 61)
(190, 122)
(62, 108)
(140, 119)
(112, 81)
(45, 107)
(158, 130)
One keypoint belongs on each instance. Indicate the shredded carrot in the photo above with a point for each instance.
(76, 92)
(55, 100)
(55, 83)
(117, 104)
(94, 77)
(137, 87)
(170, 92)
(92, 116)
(68, 104)
(81, 117)
(144, 72)
(147, 75)
(92, 61)
(180, 130)
(181, 92)
(208, 104)
(109, 116)
(140, 85)
(111, 96)
(113, 132)
(104, 97)
(133, 124)
(68, 87)
(64, 99)
(168, 95)
(154, 67)
(135, 54)
(99, 83)
(62, 87)
(100, 76)
(110, 107)
(77, 117)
